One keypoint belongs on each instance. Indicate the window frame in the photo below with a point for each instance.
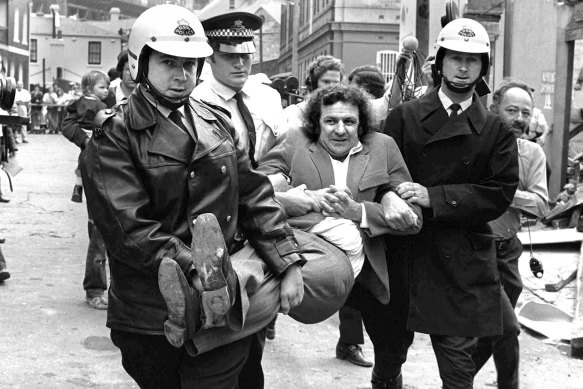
(93, 56)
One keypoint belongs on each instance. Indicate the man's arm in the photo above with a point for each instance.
(532, 195)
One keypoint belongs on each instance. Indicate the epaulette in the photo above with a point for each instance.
(217, 108)
(102, 116)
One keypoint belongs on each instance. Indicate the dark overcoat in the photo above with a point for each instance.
(470, 167)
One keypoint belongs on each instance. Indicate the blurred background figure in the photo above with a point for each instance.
(52, 111)
(538, 128)
(370, 79)
(121, 90)
(36, 110)
(325, 70)
(22, 100)
(62, 100)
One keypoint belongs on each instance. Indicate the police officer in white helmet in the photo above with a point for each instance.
(463, 161)
(169, 182)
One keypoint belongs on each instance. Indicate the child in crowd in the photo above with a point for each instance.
(77, 125)
(78, 128)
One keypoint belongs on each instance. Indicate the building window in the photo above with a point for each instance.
(94, 53)
(231, 4)
(33, 50)
(387, 62)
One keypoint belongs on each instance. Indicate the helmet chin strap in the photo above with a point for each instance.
(171, 104)
(457, 87)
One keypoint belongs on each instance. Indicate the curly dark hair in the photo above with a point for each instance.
(370, 78)
(331, 95)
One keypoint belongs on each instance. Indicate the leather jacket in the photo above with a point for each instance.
(147, 180)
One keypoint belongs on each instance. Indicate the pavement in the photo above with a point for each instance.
(50, 338)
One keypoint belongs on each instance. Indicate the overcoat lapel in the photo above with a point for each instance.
(436, 122)
(431, 112)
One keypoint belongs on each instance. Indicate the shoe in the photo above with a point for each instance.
(77, 196)
(181, 303)
(16, 141)
(2, 240)
(3, 199)
(4, 275)
(97, 302)
(24, 141)
(270, 329)
(393, 383)
(352, 353)
(213, 266)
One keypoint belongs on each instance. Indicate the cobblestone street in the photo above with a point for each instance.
(50, 338)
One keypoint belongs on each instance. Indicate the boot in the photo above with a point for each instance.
(3, 199)
(181, 301)
(393, 383)
(213, 266)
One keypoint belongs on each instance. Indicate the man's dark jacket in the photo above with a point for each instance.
(146, 182)
(470, 166)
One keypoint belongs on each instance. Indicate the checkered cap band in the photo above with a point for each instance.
(230, 33)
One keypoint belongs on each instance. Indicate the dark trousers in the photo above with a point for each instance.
(95, 281)
(153, 363)
(505, 348)
(251, 376)
(454, 360)
(386, 325)
(350, 326)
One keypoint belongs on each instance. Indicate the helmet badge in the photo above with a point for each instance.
(467, 33)
(183, 28)
(238, 26)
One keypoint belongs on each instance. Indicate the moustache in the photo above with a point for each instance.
(519, 125)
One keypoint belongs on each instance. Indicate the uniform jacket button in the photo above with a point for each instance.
(454, 202)
(229, 218)
(223, 169)
(191, 174)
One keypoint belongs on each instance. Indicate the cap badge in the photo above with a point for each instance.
(183, 28)
(466, 32)
(238, 26)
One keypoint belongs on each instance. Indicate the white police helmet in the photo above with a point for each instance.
(465, 36)
(168, 29)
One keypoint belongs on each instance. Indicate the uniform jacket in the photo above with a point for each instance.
(146, 182)
(263, 102)
(372, 172)
(469, 165)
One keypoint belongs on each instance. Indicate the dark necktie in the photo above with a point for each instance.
(249, 124)
(176, 117)
(455, 107)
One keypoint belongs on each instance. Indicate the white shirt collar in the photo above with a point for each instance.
(224, 91)
(165, 111)
(446, 101)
